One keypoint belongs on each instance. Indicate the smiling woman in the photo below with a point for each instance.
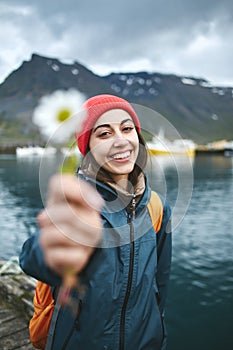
(98, 227)
(117, 147)
(114, 144)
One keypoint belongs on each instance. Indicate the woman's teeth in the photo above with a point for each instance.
(121, 155)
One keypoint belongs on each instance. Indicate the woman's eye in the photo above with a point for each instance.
(128, 128)
(104, 134)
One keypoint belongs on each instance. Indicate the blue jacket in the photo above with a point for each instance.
(125, 285)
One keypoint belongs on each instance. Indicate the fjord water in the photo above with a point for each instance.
(200, 298)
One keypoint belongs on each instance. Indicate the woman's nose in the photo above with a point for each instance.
(120, 141)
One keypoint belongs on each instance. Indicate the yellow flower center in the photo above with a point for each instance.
(63, 115)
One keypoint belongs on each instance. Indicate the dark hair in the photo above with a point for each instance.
(104, 176)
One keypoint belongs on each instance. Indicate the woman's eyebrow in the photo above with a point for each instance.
(127, 120)
(108, 125)
(101, 126)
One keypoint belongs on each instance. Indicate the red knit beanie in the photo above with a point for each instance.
(94, 107)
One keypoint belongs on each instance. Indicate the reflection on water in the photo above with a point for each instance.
(172, 176)
(20, 201)
(199, 305)
(200, 296)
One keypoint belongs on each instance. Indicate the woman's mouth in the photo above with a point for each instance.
(121, 156)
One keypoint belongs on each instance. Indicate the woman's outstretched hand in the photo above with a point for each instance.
(70, 224)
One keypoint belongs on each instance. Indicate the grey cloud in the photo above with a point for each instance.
(106, 33)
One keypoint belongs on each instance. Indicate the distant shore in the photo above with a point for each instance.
(10, 148)
(216, 148)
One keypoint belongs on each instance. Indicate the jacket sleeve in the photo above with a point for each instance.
(32, 262)
(164, 253)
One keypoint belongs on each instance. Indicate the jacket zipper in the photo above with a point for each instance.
(130, 218)
(75, 325)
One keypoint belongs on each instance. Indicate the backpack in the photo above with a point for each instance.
(43, 301)
(43, 304)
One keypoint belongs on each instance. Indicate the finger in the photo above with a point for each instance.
(63, 235)
(59, 259)
(79, 225)
(53, 238)
(70, 188)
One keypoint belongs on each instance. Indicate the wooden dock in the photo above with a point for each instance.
(16, 309)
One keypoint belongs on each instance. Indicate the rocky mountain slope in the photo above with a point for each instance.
(193, 106)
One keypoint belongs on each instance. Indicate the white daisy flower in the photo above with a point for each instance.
(57, 115)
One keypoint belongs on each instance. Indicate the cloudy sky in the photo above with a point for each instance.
(184, 37)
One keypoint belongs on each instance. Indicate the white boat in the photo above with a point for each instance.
(228, 149)
(162, 146)
(35, 151)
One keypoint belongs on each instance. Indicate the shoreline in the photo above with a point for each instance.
(10, 149)
(16, 306)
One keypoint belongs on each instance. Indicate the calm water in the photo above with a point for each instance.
(200, 299)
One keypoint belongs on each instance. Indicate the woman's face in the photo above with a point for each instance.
(114, 143)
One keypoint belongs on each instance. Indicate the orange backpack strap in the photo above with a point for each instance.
(155, 208)
(43, 310)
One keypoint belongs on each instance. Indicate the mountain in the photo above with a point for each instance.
(193, 106)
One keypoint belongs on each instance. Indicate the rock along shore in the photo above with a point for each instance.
(16, 307)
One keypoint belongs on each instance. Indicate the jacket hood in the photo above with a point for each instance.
(116, 196)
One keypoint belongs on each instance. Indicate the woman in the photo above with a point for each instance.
(106, 207)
